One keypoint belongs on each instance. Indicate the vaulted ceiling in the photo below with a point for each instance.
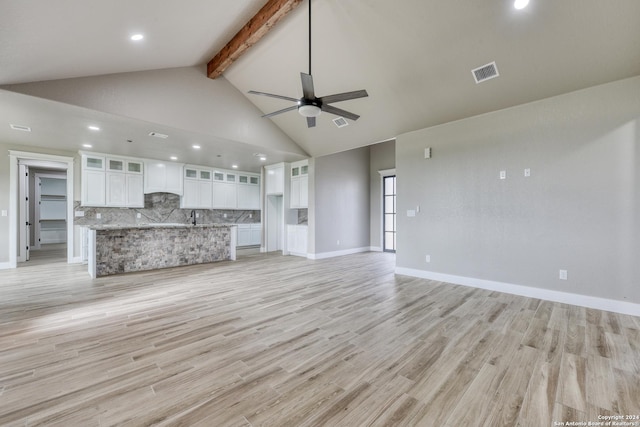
(414, 58)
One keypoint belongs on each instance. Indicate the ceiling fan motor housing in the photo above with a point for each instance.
(310, 107)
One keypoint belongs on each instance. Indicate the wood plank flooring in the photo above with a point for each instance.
(284, 341)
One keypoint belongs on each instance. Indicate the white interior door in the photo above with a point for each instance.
(23, 218)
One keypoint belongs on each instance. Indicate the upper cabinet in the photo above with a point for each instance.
(162, 177)
(299, 185)
(111, 181)
(274, 179)
(198, 188)
(248, 191)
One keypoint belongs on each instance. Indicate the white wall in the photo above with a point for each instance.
(579, 210)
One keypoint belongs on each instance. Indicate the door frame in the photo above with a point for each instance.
(44, 161)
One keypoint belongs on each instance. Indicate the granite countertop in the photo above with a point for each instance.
(155, 225)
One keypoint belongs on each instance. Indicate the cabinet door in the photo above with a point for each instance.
(93, 163)
(135, 191)
(155, 177)
(205, 194)
(275, 181)
(173, 178)
(224, 195)
(294, 202)
(116, 189)
(244, 235)
(304, 191)
(256, 231)
(115, 165)
(189, 197)
(248, 197)
(134, 167)
(93, 188)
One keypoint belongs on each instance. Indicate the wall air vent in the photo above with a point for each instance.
(20, 127)
(158, 135)
(341, 122)
(486, 72)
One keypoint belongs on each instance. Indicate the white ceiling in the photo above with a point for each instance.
(414, 57)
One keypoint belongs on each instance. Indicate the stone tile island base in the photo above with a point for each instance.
(123, 249)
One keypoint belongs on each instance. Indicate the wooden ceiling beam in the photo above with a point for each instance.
(250, 34)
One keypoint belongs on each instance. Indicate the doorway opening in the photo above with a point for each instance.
(58, 213)
(274, 239)
(389, 213)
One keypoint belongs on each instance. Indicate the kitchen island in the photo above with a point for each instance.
(115, 249)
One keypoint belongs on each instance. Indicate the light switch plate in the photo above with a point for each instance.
(4, 213)
(527, 172)
(563, 275)
(79, 213)
(411, 212)
(503, 174)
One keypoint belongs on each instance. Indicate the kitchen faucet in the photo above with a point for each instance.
(193, 217)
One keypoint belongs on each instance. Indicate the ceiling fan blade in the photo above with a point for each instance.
(287, 98)
(307, 86)
(344, 96)
(339, 112)
(311, 122)
(284, 110)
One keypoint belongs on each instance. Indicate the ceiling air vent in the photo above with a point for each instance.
(158, 135)
(340, 122)
(20, 127)
(486, 72)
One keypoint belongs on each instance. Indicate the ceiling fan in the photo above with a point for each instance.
(309, 105)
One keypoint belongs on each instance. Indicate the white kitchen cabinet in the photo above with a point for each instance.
(248, 192)
(135, 190)
(299, 197)
(198, 189)
(274, 179)
(249, 234)
(224, 195)
(162, 177)
(297, 240)
(111, 181)
(93, 188)
(116, 189)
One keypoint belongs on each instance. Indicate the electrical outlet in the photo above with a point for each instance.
(198, 215)
(138, 215)
(527, 172)
(98, 215)
(563, 275)
(503, 174)
(250, 215)
(4, 213)
(224, 215)
(427, 258)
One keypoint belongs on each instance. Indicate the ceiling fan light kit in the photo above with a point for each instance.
(311, 106)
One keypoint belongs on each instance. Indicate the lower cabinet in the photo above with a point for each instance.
(249, 234)
(297, 240)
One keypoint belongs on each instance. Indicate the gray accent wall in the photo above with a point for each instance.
(339, 209)
(578, 211)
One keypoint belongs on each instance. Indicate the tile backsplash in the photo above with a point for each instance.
(161, 208)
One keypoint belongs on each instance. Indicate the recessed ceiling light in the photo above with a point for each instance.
(197, 147)
(234, 166)
(173, 158)
(137, 37)
(520, 4)
(20, 127)
(87, 145)
(93, 127)
(263, 159)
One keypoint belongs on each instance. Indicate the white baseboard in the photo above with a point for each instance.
(5, 265)
(324, 255)
(375, 249)
(527, 291)
(304, 255)
(78, 260)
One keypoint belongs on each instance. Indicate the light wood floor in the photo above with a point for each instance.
(285, 341)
